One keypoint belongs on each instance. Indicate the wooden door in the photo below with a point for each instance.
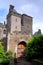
(21, 49)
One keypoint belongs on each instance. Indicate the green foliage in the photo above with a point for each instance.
(9, 53)
(34, 47)
(3, 56)
(1, 48)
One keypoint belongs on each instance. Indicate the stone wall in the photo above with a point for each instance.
(27, 24)
(2, 31)
(14, 39)
(15, 23)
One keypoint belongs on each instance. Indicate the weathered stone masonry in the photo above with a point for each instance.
(18, 29)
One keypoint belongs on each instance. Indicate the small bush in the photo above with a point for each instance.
(9, 53)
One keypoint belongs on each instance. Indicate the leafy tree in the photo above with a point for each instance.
(34, 47)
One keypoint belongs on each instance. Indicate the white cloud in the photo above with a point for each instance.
(4, 4)
(37, 25)
(33, 10)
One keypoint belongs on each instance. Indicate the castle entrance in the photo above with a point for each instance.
(21, 49)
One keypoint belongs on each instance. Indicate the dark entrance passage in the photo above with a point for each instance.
(21, 49)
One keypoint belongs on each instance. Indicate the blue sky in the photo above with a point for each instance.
(32, 8)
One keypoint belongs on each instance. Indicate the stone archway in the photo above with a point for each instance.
(21, 49)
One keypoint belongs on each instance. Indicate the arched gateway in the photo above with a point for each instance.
(21, 49)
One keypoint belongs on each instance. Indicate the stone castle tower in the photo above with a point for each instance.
(19, 30)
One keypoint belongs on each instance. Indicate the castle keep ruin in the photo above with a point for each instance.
(19, 30)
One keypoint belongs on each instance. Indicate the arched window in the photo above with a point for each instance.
(4, 31)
